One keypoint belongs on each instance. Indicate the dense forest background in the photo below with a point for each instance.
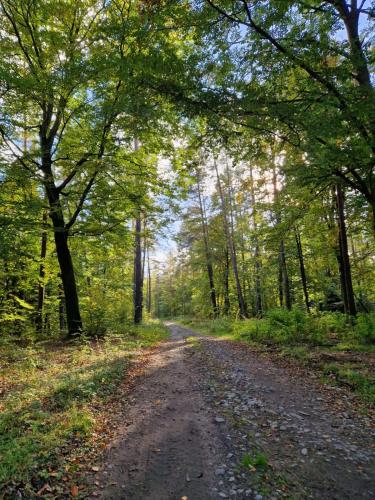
(253, 120)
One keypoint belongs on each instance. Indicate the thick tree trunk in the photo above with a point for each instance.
(138, 274)
(302, 269)
(73, 316)
(41, 284)
(357, 56)
(232, 250)
(210, 271)
(344, 262)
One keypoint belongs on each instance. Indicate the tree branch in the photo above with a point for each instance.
(82, 200)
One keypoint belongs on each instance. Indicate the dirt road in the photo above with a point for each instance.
(211, 420)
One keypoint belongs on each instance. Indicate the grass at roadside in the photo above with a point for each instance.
(342, 351)
(51, 395)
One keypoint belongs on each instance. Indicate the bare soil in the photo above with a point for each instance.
(210, 419)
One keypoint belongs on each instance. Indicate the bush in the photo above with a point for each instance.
(221, 326)
(364, 328)
(253, 329)
(279, 325)
(288, 325)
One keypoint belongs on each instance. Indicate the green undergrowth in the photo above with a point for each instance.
(48, 393)
(321, 341)
(258, 460)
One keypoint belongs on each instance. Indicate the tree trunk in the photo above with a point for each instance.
(226, 284)
(280, 285)
(233, 217)
(372, 205)
(246, 285)
(41, 284)
(284, 276)
(138, 281)
(149, 289)
(257, 263)
(145, 245)
(258, 285)
(61, 308)
(210, 271)
(302, 269)
(229, 236)
(73, 316)
(138, 265)
(344, 262)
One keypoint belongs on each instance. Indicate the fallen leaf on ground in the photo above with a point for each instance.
(74, 490)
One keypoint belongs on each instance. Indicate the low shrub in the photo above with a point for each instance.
(221, 326)
(364, 328)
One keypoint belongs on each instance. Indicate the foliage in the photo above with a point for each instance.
(259, 460)
(294, 327)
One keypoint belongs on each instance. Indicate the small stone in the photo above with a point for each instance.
(219, 420)
(223, 495)
(258, 497)
(304, 451)
(219, 472)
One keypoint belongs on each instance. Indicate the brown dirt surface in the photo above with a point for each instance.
(210, 419)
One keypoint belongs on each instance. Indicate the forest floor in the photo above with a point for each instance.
(58, 403)
(212, 419)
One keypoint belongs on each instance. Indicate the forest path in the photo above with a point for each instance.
(210, 420)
